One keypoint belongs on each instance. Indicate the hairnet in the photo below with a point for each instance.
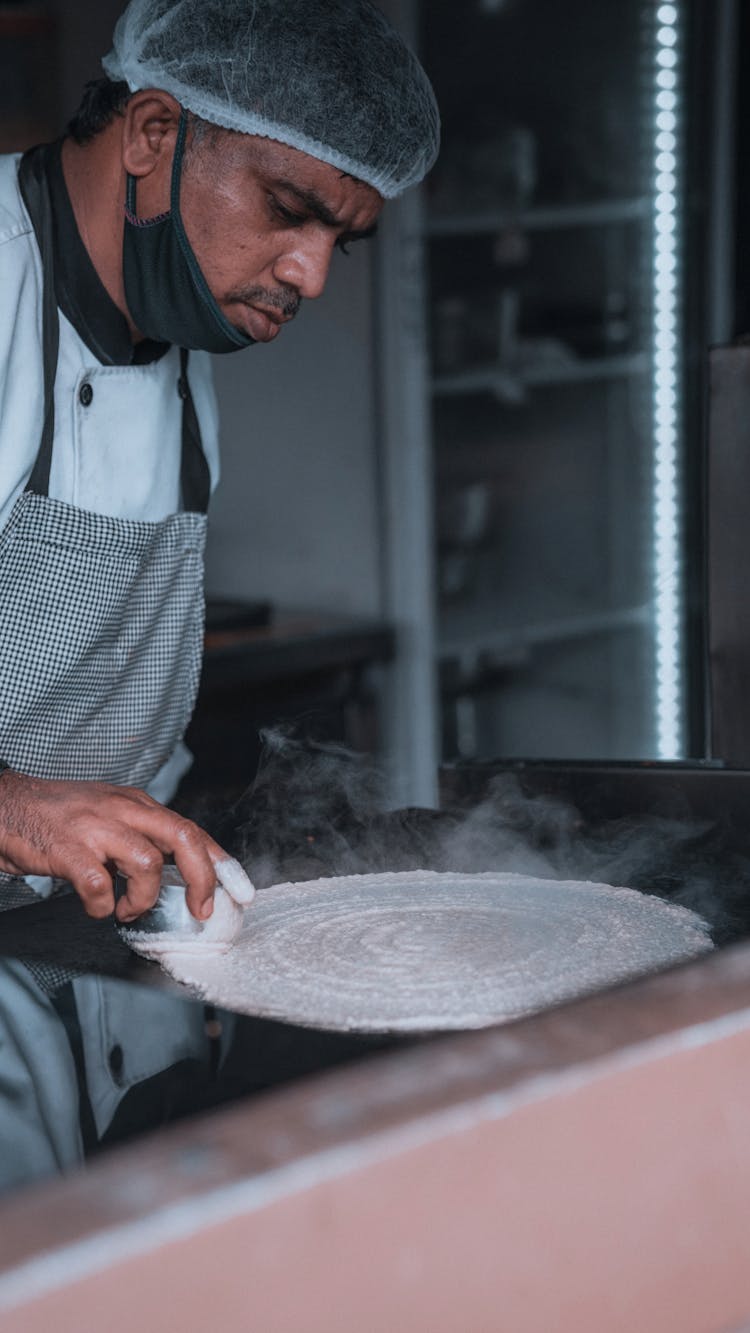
(330, 77)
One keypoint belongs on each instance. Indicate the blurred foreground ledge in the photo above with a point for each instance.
(588, 1168)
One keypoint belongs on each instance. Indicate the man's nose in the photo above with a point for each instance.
(304, 266)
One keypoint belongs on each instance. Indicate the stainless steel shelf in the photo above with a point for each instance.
(514, 645)
(508, 383)
(609, 212)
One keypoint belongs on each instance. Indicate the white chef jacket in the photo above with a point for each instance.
(117, 451)
(117, 447)
(149, 1030)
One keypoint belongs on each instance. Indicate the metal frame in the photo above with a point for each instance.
(410, 694)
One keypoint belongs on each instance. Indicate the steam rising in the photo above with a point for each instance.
(319, 809)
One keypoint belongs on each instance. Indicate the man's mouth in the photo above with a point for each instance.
(262, 325)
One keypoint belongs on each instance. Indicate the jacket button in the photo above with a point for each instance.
(182, 388)
(85, 394)
(116, 1060)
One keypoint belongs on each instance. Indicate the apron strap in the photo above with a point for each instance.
(32, 179)
(195, 476)
(195, 479)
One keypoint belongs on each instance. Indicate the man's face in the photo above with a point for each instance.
(263, 220)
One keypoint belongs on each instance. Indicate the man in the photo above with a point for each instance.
(196, 201)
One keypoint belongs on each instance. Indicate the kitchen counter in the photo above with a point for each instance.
(294, 644)
(586, 1168)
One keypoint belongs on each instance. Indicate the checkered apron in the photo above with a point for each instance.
(102, 618)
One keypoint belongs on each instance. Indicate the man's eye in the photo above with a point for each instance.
(285, 214)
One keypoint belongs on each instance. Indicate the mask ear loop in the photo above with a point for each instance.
(130, 206)
(174, 186)
(131, 183)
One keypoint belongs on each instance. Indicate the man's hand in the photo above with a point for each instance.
(85, 831)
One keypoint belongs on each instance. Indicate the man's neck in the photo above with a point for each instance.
(95, 182)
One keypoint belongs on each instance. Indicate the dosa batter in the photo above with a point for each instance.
(420, 951)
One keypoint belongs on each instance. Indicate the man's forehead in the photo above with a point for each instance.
(282, 164)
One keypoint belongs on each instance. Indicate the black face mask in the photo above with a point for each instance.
(167, 295)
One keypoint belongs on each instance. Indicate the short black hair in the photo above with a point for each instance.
(102, 100)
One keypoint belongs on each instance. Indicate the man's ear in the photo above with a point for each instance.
(151, 121)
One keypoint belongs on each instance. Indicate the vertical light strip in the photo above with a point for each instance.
(667, 480)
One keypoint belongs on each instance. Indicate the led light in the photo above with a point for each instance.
(666, 422)
(665, 222)
(665, 344)
(666, 512)
(667, 405)
(666, 181)
(665, 267)
(666, 141)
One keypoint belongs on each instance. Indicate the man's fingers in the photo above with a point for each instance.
(233, 878)
(167, 834)
(196, 867)
(138, 859)
(92, 882)
(139, 796)
(200, 860)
